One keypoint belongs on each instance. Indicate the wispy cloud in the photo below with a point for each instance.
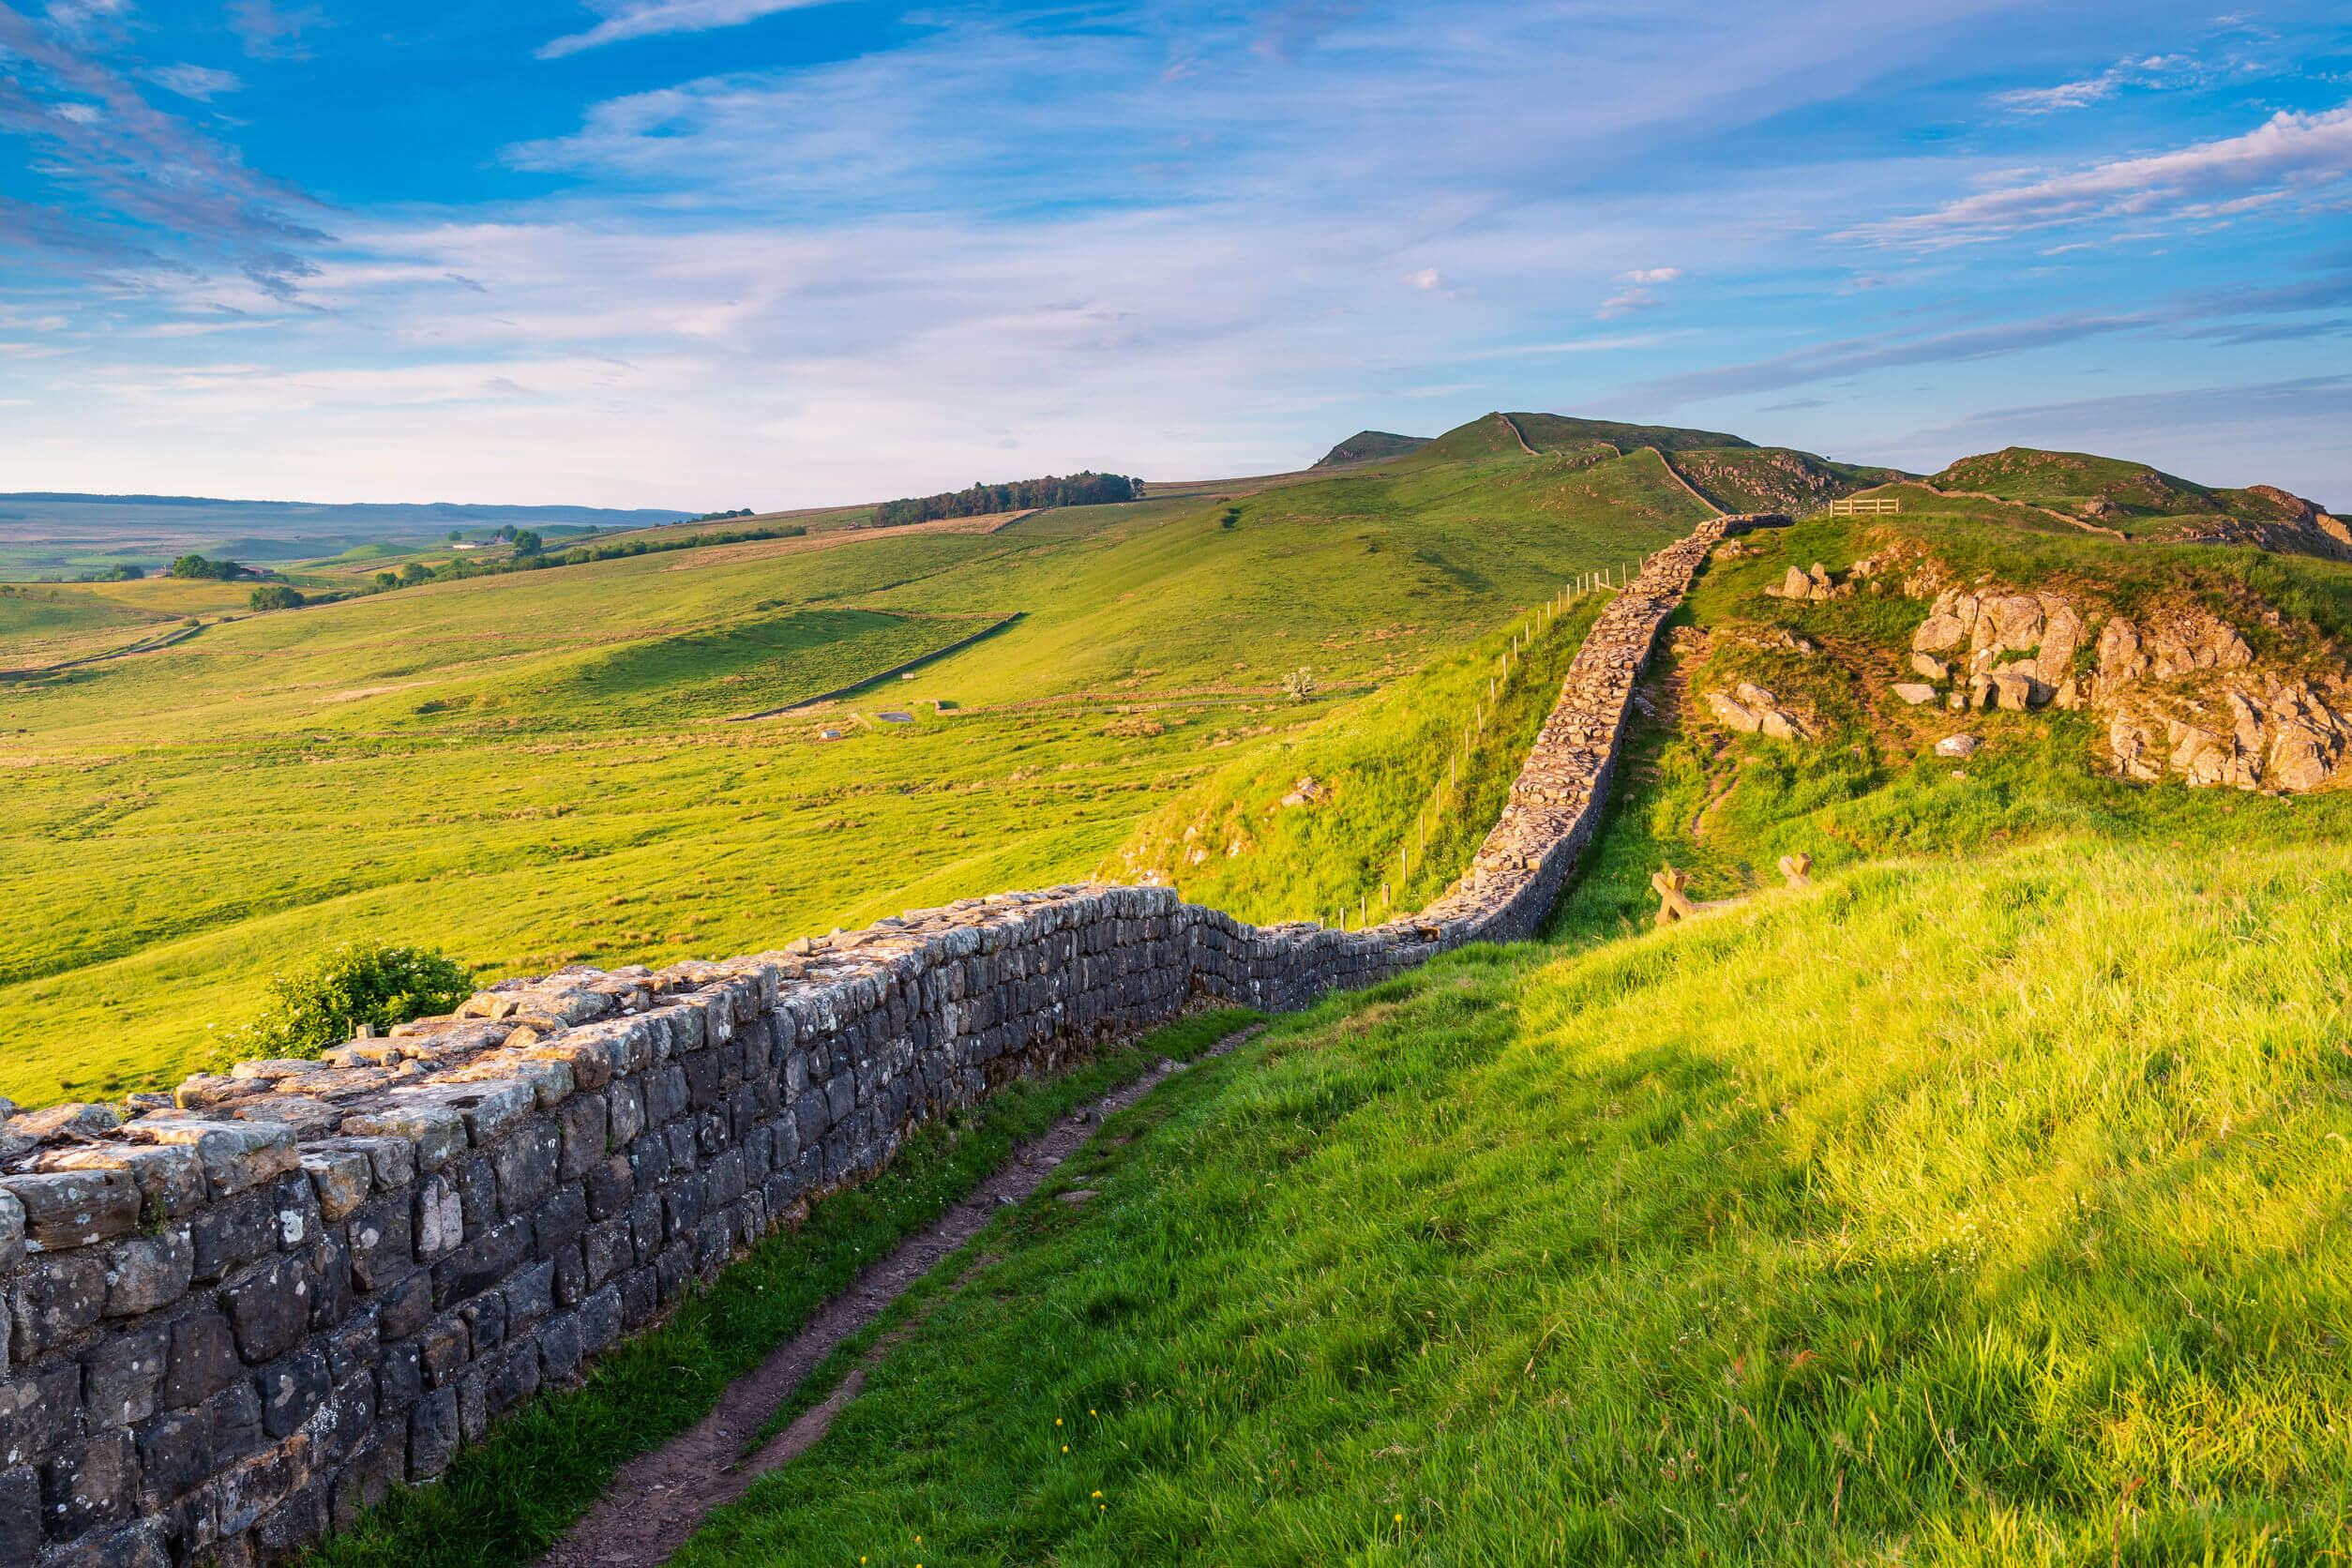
(202, 83)
(1637, 298)
(150, 190)
(2291, 155)
(2155, 70)
(269, 33)
(646, 19)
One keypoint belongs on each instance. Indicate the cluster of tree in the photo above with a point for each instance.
(197, 567)
(723, 516)
(530, 556)
(1089, 489)
(275, 596)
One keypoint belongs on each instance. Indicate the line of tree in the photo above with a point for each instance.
(529, 557)
(1089, 489)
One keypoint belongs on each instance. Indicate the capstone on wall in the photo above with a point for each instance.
(233, 1322)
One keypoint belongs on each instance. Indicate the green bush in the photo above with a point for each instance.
(274, 595)
(324, 1004)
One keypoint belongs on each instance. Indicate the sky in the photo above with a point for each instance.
(770, 253)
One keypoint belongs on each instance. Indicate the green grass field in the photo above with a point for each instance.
(1952, 1213)
(1977, 1205)
(531, 769)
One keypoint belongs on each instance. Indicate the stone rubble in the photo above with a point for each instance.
(237, 1319)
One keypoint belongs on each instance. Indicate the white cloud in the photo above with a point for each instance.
(643, 18)
(2156, 70)
(1428, 278)
(196, 82)
(1626, 303)
(1650, 275)
(2290, 155)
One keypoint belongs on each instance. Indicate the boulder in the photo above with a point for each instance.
(1958, 745)
(1915, 694)
(1929, 667)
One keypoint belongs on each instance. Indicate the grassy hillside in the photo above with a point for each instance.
(1878, 1222)
(1408, 781)
(1371, 445)
(523, 770)
(1773, 479)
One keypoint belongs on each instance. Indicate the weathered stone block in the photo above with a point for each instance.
(249, 1491)
(369, 1475)
(75, 1208)
(146, 1272)
(560, 1348)
(122, 1377)
(139, 1546)
(382, 1243)
(341, 1178)
(432, 1434)
(513, 1377)
(607, 1185)
(433, 1130)
(203, 1360)
(230, 1235)
(440, 1224)
(88, 1484)
(174, 1456)
(482, 1262)
(236, 1157)
(171, 1179)
(57, 1297)
(292, 1527)
(268, 1308)
(625, 1105)
(11, 1235)
(600, 1318)
(399, 1378)
(290, 1390)
(235, 1416)
(582, 1123)
(401, 1312)
(442, 1350)
(485, 1320)
(527, 1161)
(39, 1411)
(19, 1514)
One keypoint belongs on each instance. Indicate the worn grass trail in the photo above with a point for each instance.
(1963, 1212)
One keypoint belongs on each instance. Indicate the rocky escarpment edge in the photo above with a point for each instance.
(236, 1320)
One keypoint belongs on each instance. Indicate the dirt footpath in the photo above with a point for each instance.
(659, 1498)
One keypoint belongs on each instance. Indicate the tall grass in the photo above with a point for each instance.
(1984, 1213)
(1413, 777)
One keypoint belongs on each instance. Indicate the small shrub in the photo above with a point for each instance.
(1299, 685)
(323, 1004)
(274, 595)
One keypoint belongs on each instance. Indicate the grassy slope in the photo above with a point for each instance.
(1873, 788)
(487, 765)
(1969, 1208)
(1403, 770)
(1963, 1212)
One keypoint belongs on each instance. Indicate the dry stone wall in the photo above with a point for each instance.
(235, 1320)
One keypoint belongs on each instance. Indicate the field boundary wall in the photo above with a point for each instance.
(237, 1320)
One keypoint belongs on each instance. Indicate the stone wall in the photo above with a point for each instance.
(235, 1320)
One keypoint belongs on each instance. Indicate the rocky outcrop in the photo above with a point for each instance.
(1752, 710)
(2001, 650)
(2180, 690)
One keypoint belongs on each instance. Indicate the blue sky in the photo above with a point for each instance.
(711, 253)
